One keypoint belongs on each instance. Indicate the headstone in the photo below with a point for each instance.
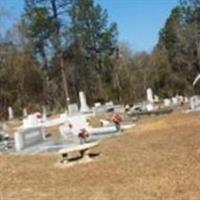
(186, 100)
(73, 109)
(25, 114)
(119, 108)
(149, 95)
(149, 107)
(10, 113)
(32, 120)
(180, 99)
(174, 100)
(66, 130)
(195, 102)
(100, 110)
(83, 103)
(44, 113)
(156, 98)
(109, 105)
(78, 122)
(28, 137)
(127, 107)
(167, 102)
(97, 104)
(63, 118)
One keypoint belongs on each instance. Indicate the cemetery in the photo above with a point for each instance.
(86, 143)
(99, 100)
(31, 138)
(75, 126)
(156, 148)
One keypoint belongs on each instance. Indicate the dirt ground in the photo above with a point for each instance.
(158, 159)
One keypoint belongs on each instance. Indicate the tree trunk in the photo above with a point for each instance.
(64, 80)
(59, 49)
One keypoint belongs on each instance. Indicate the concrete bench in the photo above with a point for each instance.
(83, 150)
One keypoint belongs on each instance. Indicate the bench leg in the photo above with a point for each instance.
(85, 155)
(64, 158)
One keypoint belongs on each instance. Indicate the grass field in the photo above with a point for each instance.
(158, 159)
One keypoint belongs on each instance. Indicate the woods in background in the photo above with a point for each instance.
(60, 47)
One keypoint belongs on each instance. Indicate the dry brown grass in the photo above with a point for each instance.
(158, 159)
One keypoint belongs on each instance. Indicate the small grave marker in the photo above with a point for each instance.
(10, 113)
(73, 109)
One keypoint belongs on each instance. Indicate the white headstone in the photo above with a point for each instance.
(83, 103)
(167, 102)
(97, 104)
(32, 120)
(44, 113)
(156, 98)
(28, 137)
(180, 99)
(195, 102)
(175, 100)
(99, 110)
(149, 107)
(149, 95)
(109, 105)
(186, 100)
(127, 107)
(73, 109)
(10, 113)
(78, 122)
(119, 108)
(25, 114)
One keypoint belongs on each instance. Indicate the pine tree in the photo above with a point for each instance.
(97, 40)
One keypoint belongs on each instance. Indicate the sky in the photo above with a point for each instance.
(139, 21)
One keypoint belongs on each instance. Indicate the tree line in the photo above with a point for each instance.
(59, 47)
